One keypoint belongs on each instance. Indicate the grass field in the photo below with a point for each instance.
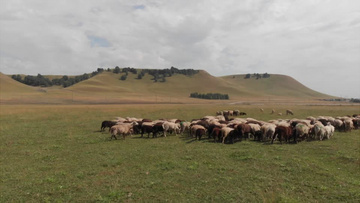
(55, 153)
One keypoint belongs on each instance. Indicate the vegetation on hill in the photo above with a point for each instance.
(209, 96)
(158, 75)
(66, 81)
(257, 76)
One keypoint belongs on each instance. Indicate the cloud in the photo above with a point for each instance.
(307, 39)
(98, 41)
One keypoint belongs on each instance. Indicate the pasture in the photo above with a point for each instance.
(55, 153)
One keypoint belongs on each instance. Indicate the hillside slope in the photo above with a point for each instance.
(108, 88)
(275, 85)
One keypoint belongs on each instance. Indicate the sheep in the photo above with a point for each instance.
(184, 126)
(236, 112)
(216, 133)
(329, 130)
(338, 124)
(301, 130)
(288, 111)
(282, 131)
(267, 130)
(194, 128)
(120, 119)
(107, 124)
(348, 124)
(319, 130)
(121, 130)
(147, 127)
(243, 130)
(272, 111)
(169, 126)
(227, 132)
(255, 130)
(199, 133)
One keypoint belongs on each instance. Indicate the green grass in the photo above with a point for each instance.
(57, 154)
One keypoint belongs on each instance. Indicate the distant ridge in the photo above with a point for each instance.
(106, 87)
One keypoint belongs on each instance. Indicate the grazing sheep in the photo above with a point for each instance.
(184, 126)
(319, 131)
(272, 111)
(107, 124)
(339, 124)
(171, 127)
(157, 128)
(199, 133)
(227, 132)
(282, 132)
(255, 130)
(242, 130)
(267, 131)
(288, 111)
(348, 124)
(301, 131)
(194, 128)
(147, 127)
(121, 130)
(236, 112)
(216, 133)
(262, 110)
(329, 130)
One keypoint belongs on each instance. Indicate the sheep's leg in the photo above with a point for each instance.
(272, 140)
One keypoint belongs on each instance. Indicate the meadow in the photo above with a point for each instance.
(56, 153)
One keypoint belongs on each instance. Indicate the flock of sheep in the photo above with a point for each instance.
(225, 130)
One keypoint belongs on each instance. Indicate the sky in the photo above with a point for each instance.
(317, 42)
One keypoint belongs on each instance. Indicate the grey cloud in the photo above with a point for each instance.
(302, 39)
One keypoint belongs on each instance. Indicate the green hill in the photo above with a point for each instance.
(107, 87)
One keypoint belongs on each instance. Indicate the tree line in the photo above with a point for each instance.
(158, 75)
(64, 81)
(257, 75)
(209, 96)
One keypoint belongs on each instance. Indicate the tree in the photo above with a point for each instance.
(123, 77)
(139, 76)
(116, 70)
(247, 76)
(16, 77)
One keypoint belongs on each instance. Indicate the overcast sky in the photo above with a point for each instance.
(314, 41)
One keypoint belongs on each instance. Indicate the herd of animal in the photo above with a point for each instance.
(222, 129)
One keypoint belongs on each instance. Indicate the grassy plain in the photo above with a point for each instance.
(55, 153)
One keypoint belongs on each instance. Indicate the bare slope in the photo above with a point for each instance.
(275, 85)
(8, 85)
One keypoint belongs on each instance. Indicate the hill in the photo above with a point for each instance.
(275, 85)
(107, 87)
